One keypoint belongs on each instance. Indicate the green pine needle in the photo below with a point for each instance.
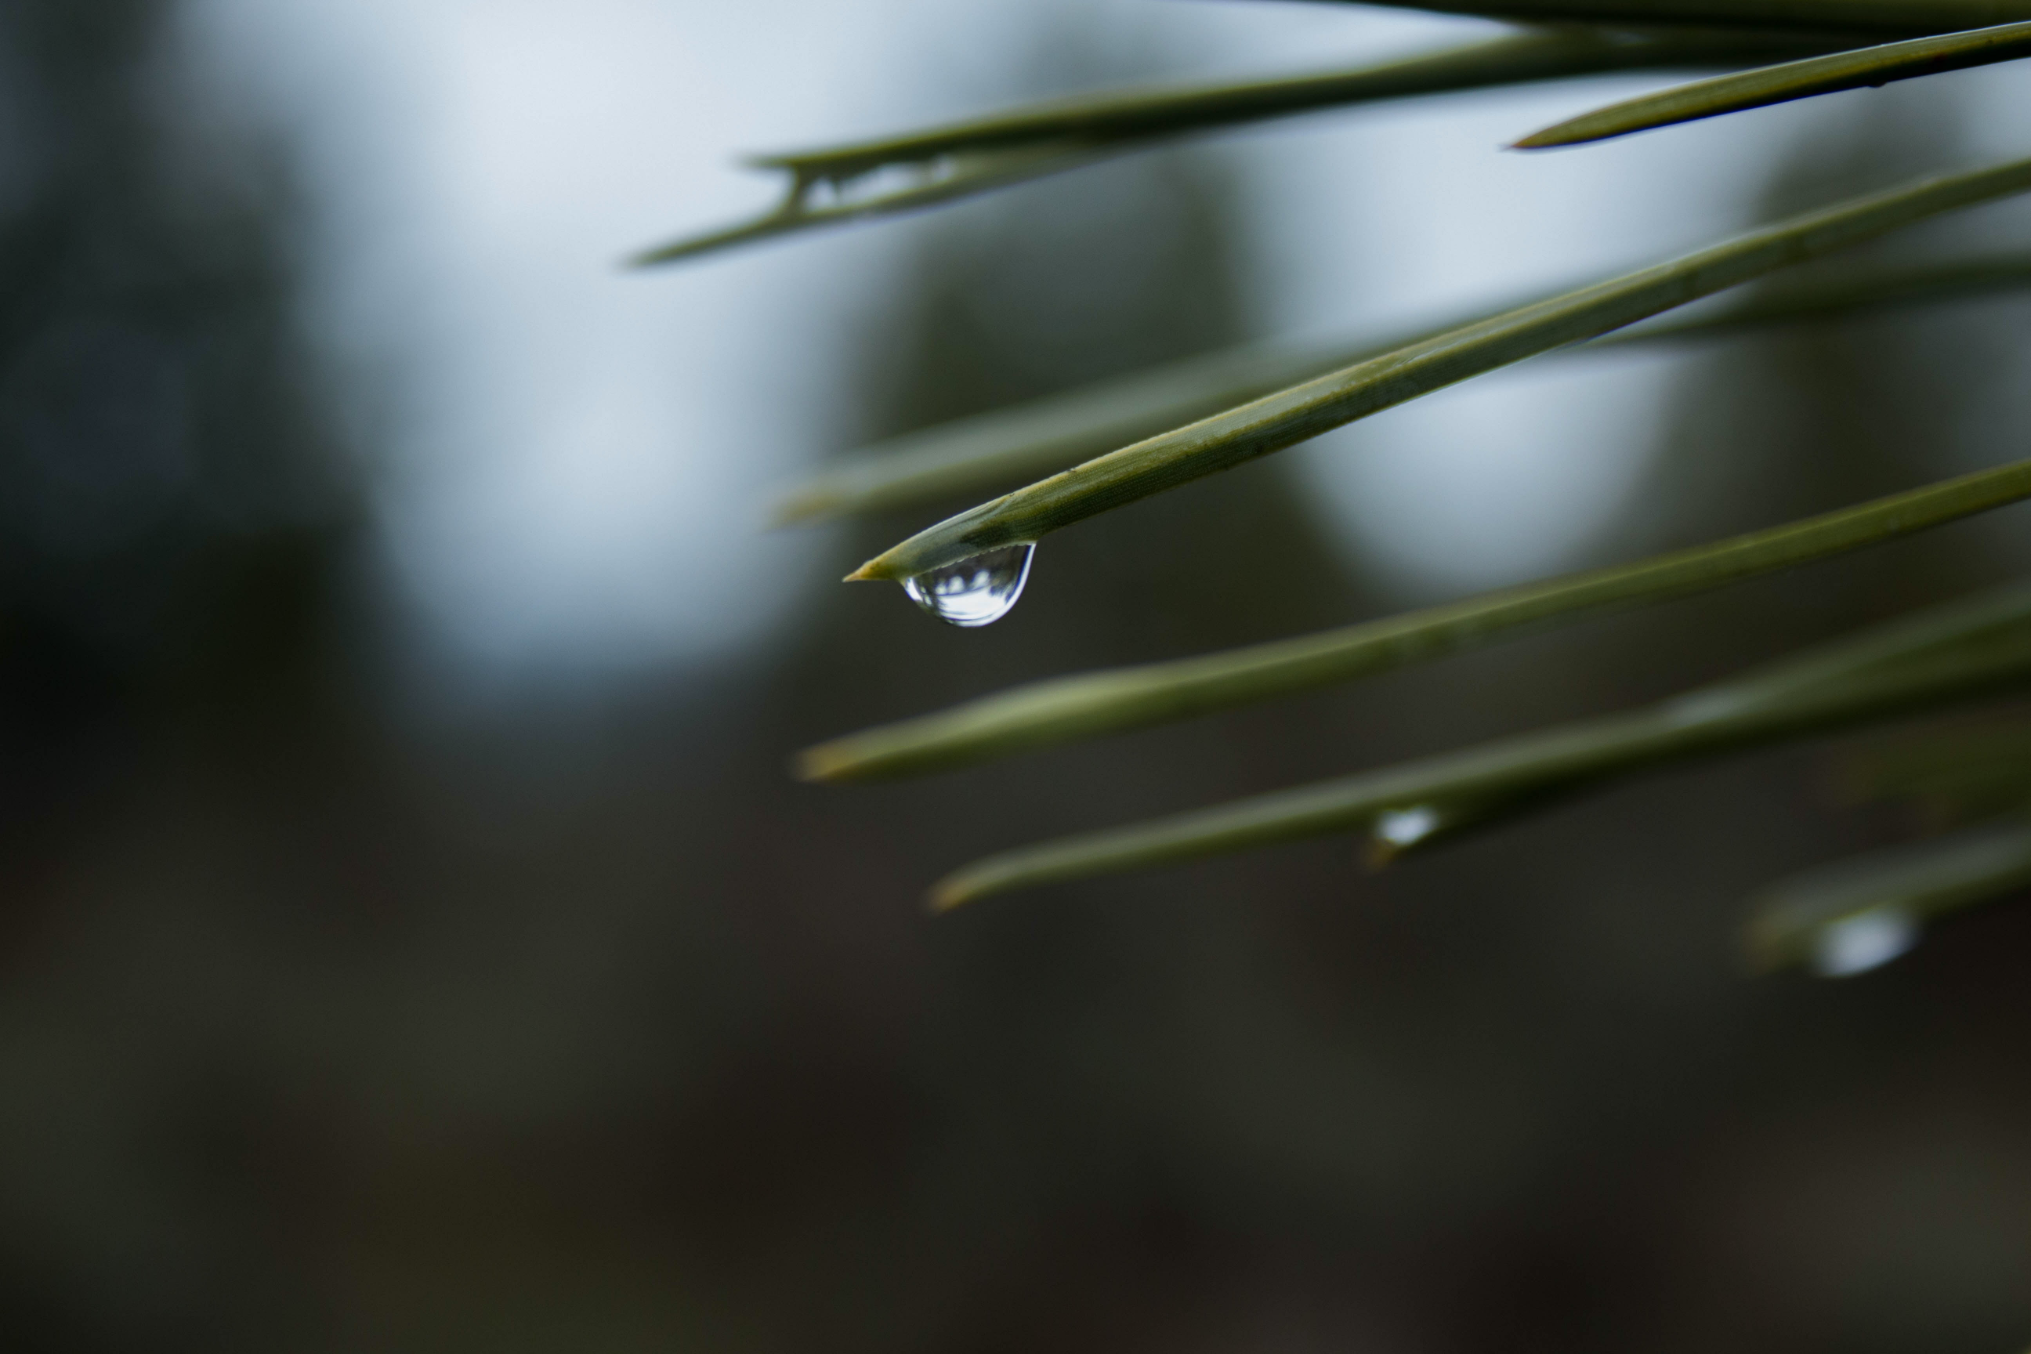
(1009, 445)
(1923, 662)
(1800, 921)
(974, 156)
(1092, 704)
(1304, 411)
(1898, 18)
(1794, 80)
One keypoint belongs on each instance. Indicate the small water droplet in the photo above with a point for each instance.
(1406, 827)
(1395, 831)
(1859, 943)
(978, 590)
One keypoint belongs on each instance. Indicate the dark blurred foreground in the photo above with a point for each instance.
(591, 1031)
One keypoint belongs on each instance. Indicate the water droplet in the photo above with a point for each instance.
(1406, 827)
(1857, 944)
(1395, 831)
(978, 590)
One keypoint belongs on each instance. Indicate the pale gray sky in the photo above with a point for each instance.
(578, 458)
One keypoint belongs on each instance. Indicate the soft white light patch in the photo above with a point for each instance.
(1500, 478)
(574, 458)
(1393, 218)
(1857, 944)
(574, 462)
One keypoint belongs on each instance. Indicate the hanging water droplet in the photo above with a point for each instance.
(1399, 828)
(978, 590)
(1395, 831)
(1857, 944)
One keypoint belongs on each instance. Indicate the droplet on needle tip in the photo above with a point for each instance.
(975, 591)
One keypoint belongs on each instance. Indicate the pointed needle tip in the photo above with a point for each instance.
(832, 763)
(866, 573)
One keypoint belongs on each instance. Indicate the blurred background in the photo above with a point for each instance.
(412, 939)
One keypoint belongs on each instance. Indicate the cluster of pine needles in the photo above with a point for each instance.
(1097, 449)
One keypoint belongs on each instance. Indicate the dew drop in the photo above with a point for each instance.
(1406, 827)
(1395, 831)
(979, 590)
(1859, 943)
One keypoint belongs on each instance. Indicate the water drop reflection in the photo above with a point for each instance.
(1399, 828)
(1859, 943)
(979, 590)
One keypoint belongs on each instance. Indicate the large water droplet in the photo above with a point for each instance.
(976, 591)
(1857, 944)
